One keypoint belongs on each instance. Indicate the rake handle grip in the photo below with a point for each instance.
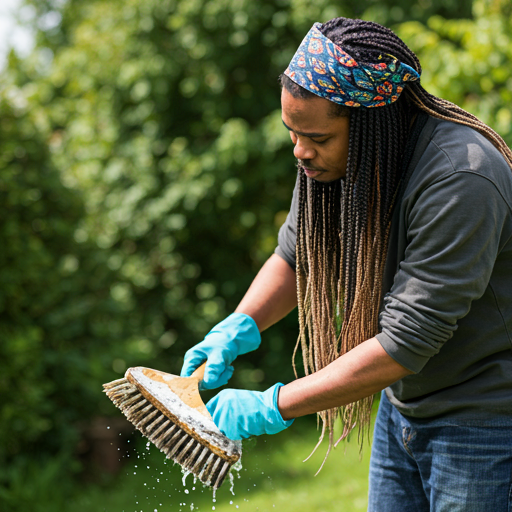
(199, 373)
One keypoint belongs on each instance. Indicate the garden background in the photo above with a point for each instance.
(144, 174)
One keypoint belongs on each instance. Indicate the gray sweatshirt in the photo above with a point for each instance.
(447, 291)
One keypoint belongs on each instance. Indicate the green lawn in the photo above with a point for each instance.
(273, 476)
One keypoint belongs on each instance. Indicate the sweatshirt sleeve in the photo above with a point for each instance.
(288, 233)
(453, 238)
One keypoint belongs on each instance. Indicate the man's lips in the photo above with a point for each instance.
(311, 173)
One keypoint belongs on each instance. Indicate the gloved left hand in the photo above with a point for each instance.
(240, 413)
(235, 335)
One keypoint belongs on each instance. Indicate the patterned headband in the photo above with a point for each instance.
(324, 69)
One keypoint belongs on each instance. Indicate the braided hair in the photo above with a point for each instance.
(343, 227)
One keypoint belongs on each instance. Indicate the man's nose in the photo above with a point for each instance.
(302, 151)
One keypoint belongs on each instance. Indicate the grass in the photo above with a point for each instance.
(273, 477)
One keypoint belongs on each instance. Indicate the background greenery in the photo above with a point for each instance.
(144, 174)
(273, 477)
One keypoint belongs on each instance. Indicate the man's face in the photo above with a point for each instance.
(321, 140)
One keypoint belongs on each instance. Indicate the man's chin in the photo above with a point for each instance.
(325, 178)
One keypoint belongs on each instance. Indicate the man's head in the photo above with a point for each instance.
(319, 135)
(324, 85)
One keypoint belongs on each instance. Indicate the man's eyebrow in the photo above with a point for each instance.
(313, 135)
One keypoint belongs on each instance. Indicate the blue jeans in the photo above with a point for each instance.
(438, 465)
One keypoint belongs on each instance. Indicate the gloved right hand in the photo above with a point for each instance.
(240, 413)
(235, 335)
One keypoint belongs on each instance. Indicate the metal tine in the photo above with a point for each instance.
(183, 453)
(115, 383)
(170, 444)
(162, 441)
(199, 461)
(178, 433)
(135, 410)
(129, 401)
(160, 429)
(143, 422)
(159, 418)
(191, 458)
(211, 473)
(203, 476)
(119, 384)
(154, 420)
(222, 474)
(137, 404)
(121, 394)
(178, 444)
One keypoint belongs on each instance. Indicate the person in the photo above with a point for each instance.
(397, 251)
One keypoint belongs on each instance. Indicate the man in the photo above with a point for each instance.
(398, 252)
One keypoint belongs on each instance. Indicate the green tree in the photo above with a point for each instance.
(61, 321)
(469, 62)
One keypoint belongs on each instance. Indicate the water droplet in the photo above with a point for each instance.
(185, 474)
(186, 491)
(108, 428)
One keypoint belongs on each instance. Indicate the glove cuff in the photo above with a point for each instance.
(277, 420)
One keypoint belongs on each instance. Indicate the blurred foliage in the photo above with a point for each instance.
(469, 62)
(144, 174)
(59, 321)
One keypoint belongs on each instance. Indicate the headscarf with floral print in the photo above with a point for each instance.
(325, 69)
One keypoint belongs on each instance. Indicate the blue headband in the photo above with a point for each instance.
(326, 70)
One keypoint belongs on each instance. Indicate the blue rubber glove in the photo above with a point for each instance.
(235, 335)
(240, 413)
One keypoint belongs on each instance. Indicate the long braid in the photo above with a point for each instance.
(343, 227)
(366, 41)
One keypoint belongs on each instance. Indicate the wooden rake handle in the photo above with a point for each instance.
(199, 373)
